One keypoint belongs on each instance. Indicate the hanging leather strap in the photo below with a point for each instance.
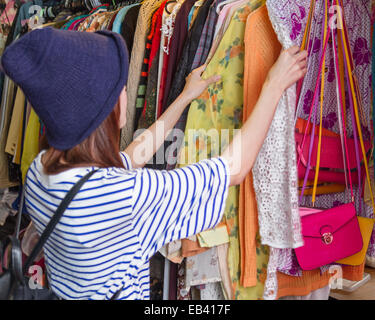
(326, 29)
(347, 64)
(306, 43)
(351, 77)
(340, 85)
(323, 53)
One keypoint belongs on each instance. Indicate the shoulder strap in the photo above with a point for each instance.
(55, 219)
(354, 100)
(326, 34)
(313, 107)
(306, 42)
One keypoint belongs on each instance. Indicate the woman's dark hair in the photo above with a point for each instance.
(101, 149)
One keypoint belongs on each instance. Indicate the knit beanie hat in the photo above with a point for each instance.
(72, 79)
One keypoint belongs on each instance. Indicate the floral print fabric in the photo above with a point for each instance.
(220, 107)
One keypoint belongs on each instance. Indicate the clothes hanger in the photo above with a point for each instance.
(222, 4)
(168, 3)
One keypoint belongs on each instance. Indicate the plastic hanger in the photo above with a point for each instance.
(199, 3)
(222, 4)
(168, 3)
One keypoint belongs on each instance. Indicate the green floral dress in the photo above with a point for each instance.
(218, 108)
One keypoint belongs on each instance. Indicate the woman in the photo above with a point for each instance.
(76, 82)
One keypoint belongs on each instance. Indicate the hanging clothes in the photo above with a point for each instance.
(222, 24)
(240, 42)
(31, 143)
(129, 25)
(360, 40)
(370, 256)
(176, 47)
(146, 116)
(261, 52)
(147, 8)
(200, 42)
(167, 29)
(15, 123)
(6, 107)
(185, 66)
(275, 170)
(207, 36)
(216, 109)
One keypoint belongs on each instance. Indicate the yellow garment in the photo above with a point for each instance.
(213, 237)
(15, 123)
(31, 144)
(222, 29)
(220, 107)
(4, 171)
(367, 194)
(17, 154)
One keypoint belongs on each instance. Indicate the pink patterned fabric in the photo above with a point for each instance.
(293, 13)
(359, 32)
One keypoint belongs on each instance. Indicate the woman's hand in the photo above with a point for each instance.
(195, 85)
(288, 69)
(145, 146)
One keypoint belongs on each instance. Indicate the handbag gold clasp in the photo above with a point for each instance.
(327, 238)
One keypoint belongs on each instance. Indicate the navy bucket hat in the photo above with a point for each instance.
(72, 79)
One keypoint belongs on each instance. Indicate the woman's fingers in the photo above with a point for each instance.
(301, 55)
(212, 80)
(200, 70)
(293, 50)
(303, 64)
(298, 72)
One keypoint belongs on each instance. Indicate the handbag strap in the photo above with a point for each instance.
(55, 219)
(340, 85)
(353, 85)
(322, 59)
(306, 43)
(327, 29)
(353, 90)
(19, 213)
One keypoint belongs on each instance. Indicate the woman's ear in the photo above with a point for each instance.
(123, 102)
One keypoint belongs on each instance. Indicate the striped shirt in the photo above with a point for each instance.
(118, 220)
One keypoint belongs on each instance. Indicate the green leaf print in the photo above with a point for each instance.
(201, 106)
(234, 232)
(236, 42)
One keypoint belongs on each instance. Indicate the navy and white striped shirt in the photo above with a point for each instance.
(118, 220)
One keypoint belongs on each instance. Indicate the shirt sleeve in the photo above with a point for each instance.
(126, 160)
(172, 205)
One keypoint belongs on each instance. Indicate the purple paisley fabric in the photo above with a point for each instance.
(293, 13)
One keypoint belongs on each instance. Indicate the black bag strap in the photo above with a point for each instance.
(15, 256)
(55, 219)
(19, 214)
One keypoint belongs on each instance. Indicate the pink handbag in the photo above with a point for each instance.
(331, 159)
(333, 234)
(329, 235)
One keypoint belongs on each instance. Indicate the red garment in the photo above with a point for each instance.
(75, 24)
(155, 33)
(111, 22)
(155, 37)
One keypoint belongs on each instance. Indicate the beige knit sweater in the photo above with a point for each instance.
(148, 7)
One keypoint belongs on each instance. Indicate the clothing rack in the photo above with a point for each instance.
(85, 6)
